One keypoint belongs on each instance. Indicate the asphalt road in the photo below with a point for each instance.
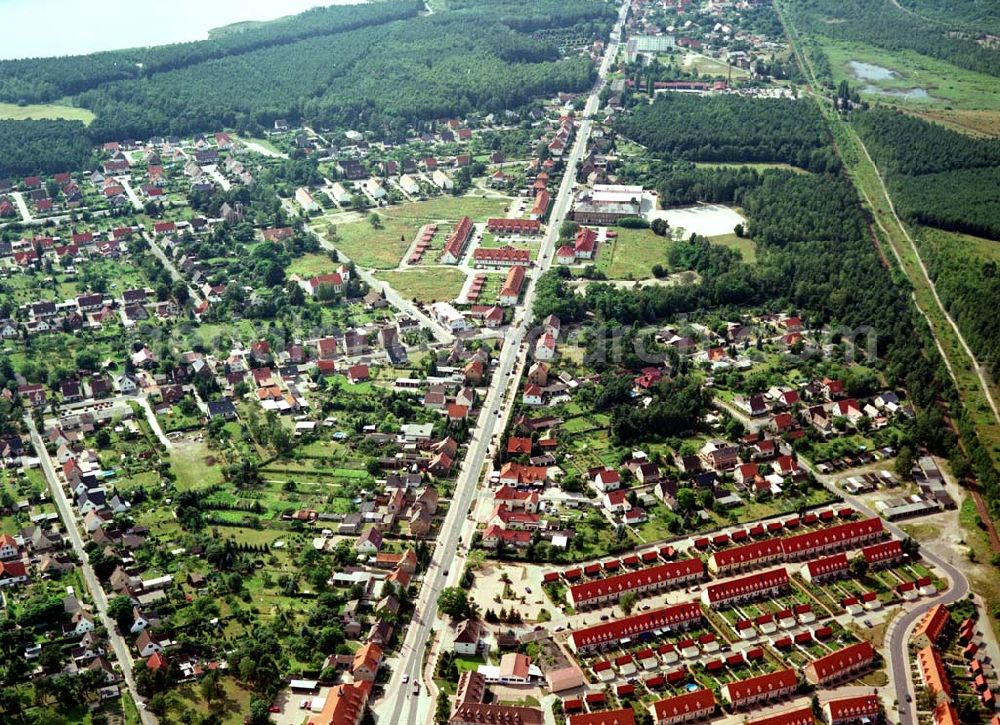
(441, 334)
(898, 633)
(400, 705)
(66, 513)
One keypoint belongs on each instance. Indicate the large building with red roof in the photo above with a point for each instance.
(884, 553)
(684, 708)
(798, 716)
(933, 674)
(844, 664)
(623, 716)
(478, 713)
(501, 256)
(345, 705)
(645, 581)
(454, 246)
(945, 714)
(748, 556)
(503, 225)
(834, 538)
(800, 546)
(609, 634)
(764, 688)
(754, 586)
(852, 710)
(510, 293)
(930, 628)
(826, 568)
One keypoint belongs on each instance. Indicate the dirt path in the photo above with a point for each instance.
(984, 516)
(980, 373)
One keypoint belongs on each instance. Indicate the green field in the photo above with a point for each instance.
(635, 251)
(710, 67)
(742, 245)
(750, 165)
(958, 247)
(449, 207)
(426, 285)
(311, 264)
(380, 248)
(46, 111)
(190, 463)
(947, 84)
(632, 254)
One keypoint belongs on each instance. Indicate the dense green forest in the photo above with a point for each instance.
(964, 279)
(733, 128)
(936, 176)
(349, 66)
(975, 14)
(905, 144)
(965, 200)
(815, 255)
(29, 147)
(884, 24)
(38, 80)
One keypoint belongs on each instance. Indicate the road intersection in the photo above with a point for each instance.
(401, 704)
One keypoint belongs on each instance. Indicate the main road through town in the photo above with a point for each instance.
(400, 703)
(118, 643)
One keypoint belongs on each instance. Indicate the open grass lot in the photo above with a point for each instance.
(45, 111)
(958, 247)
(711, 67)
(230, 708)
(380, 248)
(309, 265)
(970, 121)
(449, 207)
(632, 254)
(191, 463)
(757, 166)
(426, 285)
(948, 85)
(742, 245)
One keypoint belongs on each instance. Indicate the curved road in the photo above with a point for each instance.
(897, 635)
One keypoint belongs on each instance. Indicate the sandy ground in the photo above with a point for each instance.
(709, 220)
(488, 586)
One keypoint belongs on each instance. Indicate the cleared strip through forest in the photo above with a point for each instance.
(977, 392)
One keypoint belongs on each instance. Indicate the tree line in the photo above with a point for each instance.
(380, 71)
(885, 25)
(937, 176)
(734, 129)
(38, 80)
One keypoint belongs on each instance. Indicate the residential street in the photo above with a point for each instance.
(22, 207)
(400, 705)
(66, 514)
(130, 192)
(392, 296)
(898, 633)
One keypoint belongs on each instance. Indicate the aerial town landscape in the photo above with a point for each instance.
(524, 362)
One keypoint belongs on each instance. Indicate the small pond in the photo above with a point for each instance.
(870, 72)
